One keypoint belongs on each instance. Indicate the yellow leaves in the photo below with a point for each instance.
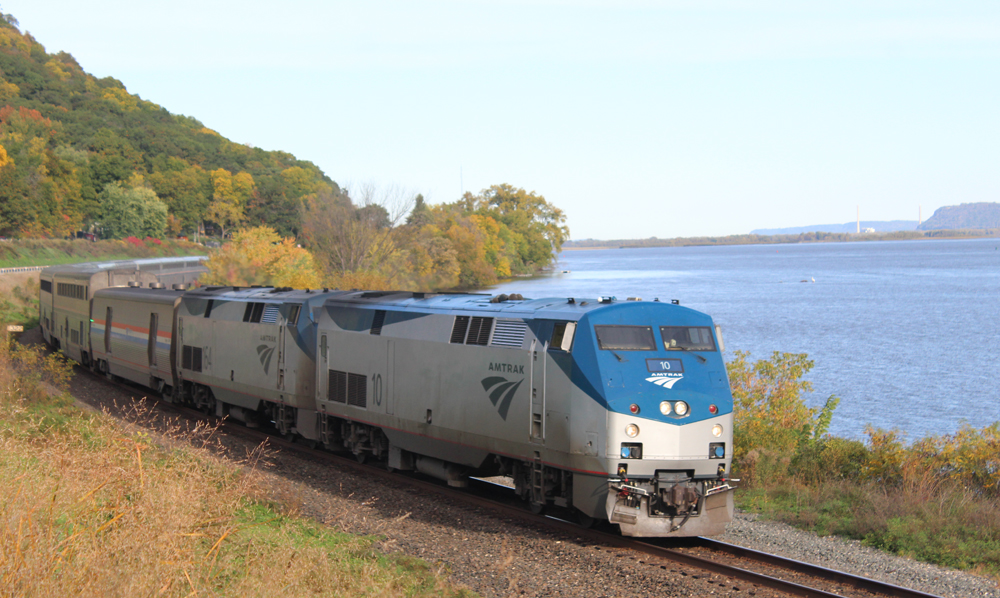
(4, 158)
(970, 457)
(207, 131)
(8, 90)
(121, 99)
(56, 68)
(260, 256)
(303, 183)
(229, 197)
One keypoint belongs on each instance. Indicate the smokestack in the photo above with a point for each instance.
(859, 220)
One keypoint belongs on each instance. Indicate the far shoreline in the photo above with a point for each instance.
(802, 238)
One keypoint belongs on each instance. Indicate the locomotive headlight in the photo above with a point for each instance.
(632, 430)
(716, 430)
(665, 408)
(681, 408)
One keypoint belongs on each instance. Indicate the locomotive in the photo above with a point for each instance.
(614, 410)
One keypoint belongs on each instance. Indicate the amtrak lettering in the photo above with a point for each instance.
(268, 337)
(507, 368)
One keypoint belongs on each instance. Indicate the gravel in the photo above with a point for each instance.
(494, 556)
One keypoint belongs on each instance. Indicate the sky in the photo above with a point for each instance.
(636, 118)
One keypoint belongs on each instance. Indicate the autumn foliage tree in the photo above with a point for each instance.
(68, 134)
(260, 256)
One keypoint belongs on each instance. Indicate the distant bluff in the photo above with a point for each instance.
(966, 215)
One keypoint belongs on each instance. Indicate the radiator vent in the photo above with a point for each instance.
(459, 330)
(357, 390)
(338, 387)
(479, 331)
(270, 314)
(509, 333)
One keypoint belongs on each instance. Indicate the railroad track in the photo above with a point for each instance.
(753, 568)
(788, 576)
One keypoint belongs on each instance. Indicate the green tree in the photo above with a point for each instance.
(185, 188)
(131, 211)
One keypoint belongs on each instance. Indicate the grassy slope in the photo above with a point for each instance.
(91, 507)
(15, 254)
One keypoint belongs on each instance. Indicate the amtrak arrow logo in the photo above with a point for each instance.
(502, 393)
(265, 354)
(664, 381)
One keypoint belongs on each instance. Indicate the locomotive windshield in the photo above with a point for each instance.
(687, 338)
(625, 338)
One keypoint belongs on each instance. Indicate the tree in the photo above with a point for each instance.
(537, 228)
(270, 205)
(185, 188)
(261, 256)
(348, 239)
(229, 198)
(131, 211)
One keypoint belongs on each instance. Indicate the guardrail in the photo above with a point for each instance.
(23, 269)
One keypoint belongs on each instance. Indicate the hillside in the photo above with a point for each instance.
(964, 216)
(81, 153)
(879, 226)
(66, 135)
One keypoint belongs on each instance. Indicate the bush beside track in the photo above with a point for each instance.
(934, 499)
(91, 506)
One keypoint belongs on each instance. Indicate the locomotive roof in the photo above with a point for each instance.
(86, 270)
(563, 308)
(144, 295)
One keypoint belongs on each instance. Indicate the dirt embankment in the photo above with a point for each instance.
(16, 279)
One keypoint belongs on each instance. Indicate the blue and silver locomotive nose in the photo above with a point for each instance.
(669, 419)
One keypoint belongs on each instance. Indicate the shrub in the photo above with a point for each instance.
(773, 428)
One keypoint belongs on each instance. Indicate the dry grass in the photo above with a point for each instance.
(90, 506)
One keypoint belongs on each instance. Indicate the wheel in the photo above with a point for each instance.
(361, 457)
(537, 508)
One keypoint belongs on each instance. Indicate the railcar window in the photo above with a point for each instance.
(687, 338)
(562, 336)
(625, 338)
(293, 315)
(46, 285)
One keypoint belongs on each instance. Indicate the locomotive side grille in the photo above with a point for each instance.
(270, 314)
(378, 321)
(258, 311)
(191, 358)
(479, 331)
(357, 390)
(458, 332)
(509, 333)
(338, 387)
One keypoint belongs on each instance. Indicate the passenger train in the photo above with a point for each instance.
(615, 410)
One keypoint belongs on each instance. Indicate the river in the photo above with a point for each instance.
(906, 333)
